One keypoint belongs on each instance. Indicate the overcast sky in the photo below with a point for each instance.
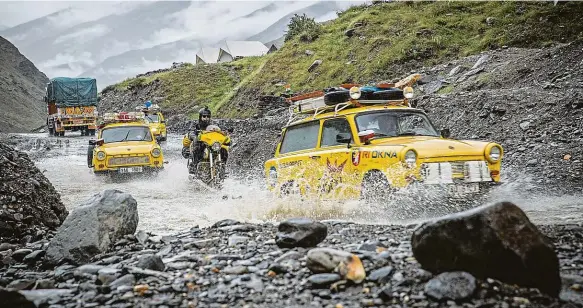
(13, 13)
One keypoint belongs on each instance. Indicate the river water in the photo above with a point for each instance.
(170, 202)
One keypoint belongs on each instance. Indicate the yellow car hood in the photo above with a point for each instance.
(126, 148)
(427, 146)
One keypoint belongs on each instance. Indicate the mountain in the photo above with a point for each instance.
(3, 27)
(112, 42)
(276, 30)
(21, 90)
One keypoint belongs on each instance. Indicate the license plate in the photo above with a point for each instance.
(466, 189)
(130, 170)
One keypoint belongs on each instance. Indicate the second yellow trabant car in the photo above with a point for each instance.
(154, 117)
(125, 144)
(367, 142)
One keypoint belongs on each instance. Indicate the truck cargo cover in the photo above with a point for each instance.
(72, 92)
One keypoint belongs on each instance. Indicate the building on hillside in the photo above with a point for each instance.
(207, 55)
(233, 50)
(272, 48)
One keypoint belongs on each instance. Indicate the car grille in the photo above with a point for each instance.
(129, 160)
(447, 172)
(457, 168)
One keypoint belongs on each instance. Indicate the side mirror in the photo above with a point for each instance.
(92, 142)
(163, 121)
(344, 138)
(445, 133)
(96, 142)
(159, 139)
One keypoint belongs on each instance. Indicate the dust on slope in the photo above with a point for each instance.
(21, 91)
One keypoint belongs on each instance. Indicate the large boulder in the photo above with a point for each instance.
(29, 204)
(92, 227)
(300, 232)
(496, 241)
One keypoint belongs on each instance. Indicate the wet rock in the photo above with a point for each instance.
(300, 232)
(90, 269)
(524, 125)
(381, 275)
(204, 243)
(320, 280)
(142, 237)
(481, 61)
(41, 297)
(326, 260)
(240, 228)
(314, 65)
(290, 255)
(126, 280)
(225, 222)
(7, 246)
(235, 270)
(451, 285)
(94, 226)
(44, 284)
(21, 284)
(152, 262)
(19, 254)
(235, 240)
(572, 290)
(34, 256)
(496, 241)
(11, 298)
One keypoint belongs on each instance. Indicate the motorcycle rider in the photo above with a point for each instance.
(204, 120)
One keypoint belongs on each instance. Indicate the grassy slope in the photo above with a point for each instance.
(392, 40)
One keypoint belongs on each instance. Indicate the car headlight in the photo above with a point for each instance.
(156, 152)
(100, 155)
(494, 154)
(408, 92)
(355, 92)
(154, 129)
(411, 158)
(216, 146)
(272, 176)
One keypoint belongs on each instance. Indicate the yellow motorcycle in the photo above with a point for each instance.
(210, 167)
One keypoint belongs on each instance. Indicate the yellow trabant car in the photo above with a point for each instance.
(370, 144)
(125, 145)
(154, 117)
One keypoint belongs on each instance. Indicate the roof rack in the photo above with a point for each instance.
(153, 107)
(120, 117)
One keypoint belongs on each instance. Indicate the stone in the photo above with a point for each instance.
(21, 284)
(314, 65)
(300, 232)
(381, 275)
(34, 256)
(349, 32)
(108, 275)
(19, 254)
(91, 269)
(41, 297)
(455, 71)
(142, 237)
(152, 262)
(320, 280)
(327, 260)
(451, 285)
(12, 298)
(7, 246)
(94, 226)
(44, 284)
(524, 125)
(290, 255)
(481, 61)
(235, 240)
(204, 243)
(308, 53)
(235, 270)
(126, 280)
(225, 222)
(496, 241)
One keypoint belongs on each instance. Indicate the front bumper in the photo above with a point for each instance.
(123, 170)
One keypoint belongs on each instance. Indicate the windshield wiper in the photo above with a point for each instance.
(408, 134)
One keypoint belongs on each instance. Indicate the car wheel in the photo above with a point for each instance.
(375, 187)
(336, 97)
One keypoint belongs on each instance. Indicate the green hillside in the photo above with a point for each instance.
(386, 40)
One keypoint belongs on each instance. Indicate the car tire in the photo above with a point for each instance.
(90, 156)
(375, 187)
(336, 97)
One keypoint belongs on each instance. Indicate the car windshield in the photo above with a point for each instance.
(396, 123)
(152, 118)
(126, 133)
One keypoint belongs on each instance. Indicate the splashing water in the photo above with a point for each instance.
(169, 202)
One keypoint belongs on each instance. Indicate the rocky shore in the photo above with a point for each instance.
(488, 257)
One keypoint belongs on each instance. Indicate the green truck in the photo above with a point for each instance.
(71, 105)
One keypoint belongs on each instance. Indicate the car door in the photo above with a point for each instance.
(298, 159)
(338, 160)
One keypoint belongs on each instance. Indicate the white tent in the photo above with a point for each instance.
(207, 55)
(238, 49)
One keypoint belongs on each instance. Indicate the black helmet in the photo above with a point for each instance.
(206, 113)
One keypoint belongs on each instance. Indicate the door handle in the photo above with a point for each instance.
(314, 156)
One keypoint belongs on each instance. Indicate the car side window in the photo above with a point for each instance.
(332, 128)
(300, 137)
